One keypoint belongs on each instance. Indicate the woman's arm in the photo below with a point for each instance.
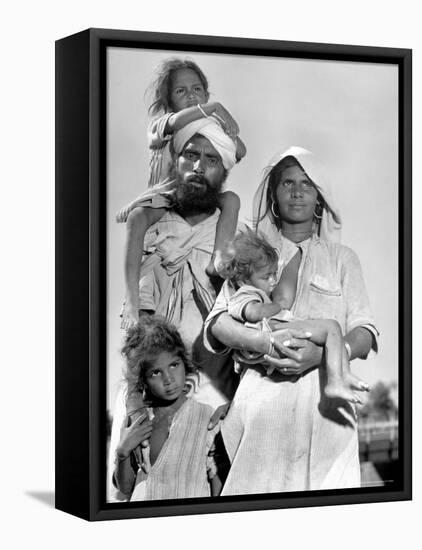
(234, 334)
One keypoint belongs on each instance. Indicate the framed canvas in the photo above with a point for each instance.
(238, 119)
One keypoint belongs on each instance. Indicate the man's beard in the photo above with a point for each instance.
(189, 199)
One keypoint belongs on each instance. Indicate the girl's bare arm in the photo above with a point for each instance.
(131, 436)
(240, 149)
(185, 116)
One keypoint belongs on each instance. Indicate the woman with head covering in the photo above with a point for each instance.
(281, 433)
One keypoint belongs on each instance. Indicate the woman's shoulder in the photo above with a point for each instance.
(335, 249)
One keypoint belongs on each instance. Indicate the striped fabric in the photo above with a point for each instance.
(161, 151)
(180, 470)
(178, 254)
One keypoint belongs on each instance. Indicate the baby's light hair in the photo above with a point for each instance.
(248, 252)
(162, 84)
(144, 341)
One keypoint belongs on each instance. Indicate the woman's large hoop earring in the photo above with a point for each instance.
(316, 216)
(272, 210)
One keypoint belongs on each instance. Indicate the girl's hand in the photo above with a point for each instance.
(130, 316)
(227, 122)
(133, 435)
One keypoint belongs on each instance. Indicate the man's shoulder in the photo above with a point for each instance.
(172, 215)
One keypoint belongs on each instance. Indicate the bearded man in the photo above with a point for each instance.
(179, 245)
(178, 248)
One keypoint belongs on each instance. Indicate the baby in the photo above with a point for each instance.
(250, 269)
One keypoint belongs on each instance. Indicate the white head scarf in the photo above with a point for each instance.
(210, 129)
(330, 226)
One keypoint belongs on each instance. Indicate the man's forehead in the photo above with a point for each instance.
(201, 144)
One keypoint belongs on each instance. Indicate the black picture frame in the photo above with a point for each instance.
(81, 275)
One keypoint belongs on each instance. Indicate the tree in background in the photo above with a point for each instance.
(382, 403)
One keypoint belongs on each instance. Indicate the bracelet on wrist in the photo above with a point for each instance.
(203, 113)
(271, 344)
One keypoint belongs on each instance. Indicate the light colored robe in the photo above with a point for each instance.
(185, 465)
(281, 434)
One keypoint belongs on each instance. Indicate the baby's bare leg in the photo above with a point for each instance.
(341, 383)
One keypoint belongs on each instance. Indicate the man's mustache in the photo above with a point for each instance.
(197, 179)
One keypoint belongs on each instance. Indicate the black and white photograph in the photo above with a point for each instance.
(252, 275)
(211, 250)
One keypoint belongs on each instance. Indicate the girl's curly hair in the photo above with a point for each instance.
(152, 335)
(162, 85)
(248, 252)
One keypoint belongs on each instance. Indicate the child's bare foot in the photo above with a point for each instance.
(210, 269)
(122, 215)
(216, 266)
(355, 383)
(338, 389)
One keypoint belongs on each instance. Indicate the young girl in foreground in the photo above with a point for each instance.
(251, 273)
(181, 97)
(177, 462)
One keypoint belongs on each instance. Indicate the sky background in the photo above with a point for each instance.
(346, 113)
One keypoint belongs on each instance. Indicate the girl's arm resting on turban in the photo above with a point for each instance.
(180, 119)
(240, 149)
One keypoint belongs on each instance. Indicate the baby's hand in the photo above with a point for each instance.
(130, 316)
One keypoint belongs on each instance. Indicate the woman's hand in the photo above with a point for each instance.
(133, 435)
(297, 353)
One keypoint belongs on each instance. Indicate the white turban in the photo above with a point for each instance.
(330, 228)
(210, 129)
